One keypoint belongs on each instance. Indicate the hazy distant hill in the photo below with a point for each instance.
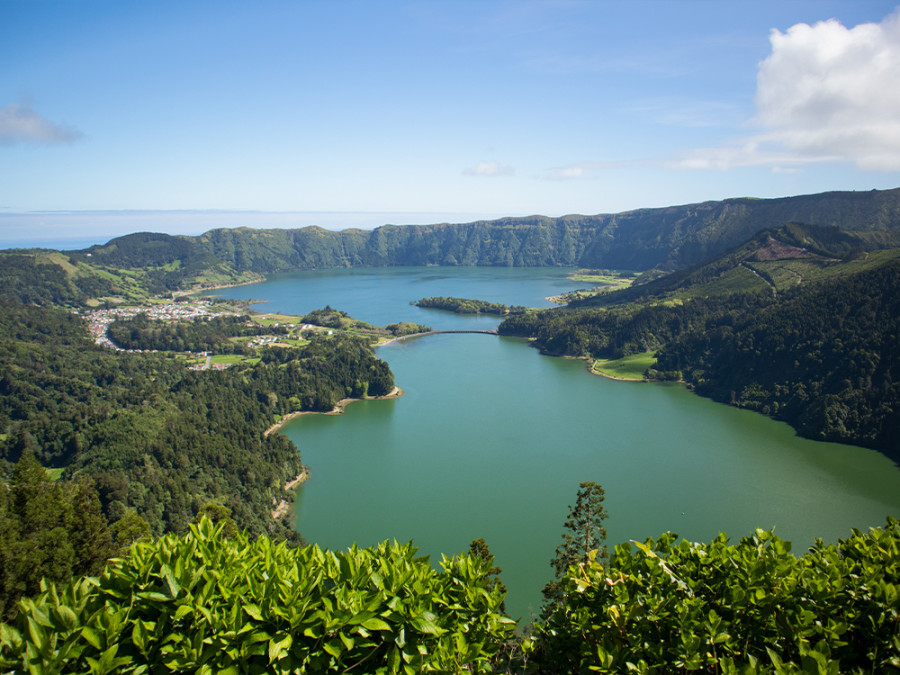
(670, 238)
(674, 238)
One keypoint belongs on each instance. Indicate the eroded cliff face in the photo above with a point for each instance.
(670, 238)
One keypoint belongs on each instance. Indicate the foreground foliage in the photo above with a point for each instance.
(207, 604)
(748, 607)
(209, 601)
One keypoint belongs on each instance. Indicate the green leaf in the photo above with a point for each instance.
(182, 611)
(347, 640)
(254, 612)
(172, 586)
(37, 633)
(9, 636)
(333, 647)
(425, 624)
(376, 624)
(155, 596)
(65, 618)
(95, 639)
(394, 659)
(276, 649)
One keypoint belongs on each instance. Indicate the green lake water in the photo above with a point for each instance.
(491, 439)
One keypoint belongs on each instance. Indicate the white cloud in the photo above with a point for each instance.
(571, 172)
(590, 170)
(20, 123)
(489, 169)
(826, 93)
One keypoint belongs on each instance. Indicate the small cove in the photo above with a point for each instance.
(491, 440)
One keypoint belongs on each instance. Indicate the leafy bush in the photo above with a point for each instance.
(720, 608)
(208, 604)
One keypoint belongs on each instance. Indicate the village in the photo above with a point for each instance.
(99, 321)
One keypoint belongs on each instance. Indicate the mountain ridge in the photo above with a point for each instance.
(669, 237)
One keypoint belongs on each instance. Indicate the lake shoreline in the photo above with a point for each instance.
(283, 506)
(338, 409)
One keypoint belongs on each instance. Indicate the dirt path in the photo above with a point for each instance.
(283, 506)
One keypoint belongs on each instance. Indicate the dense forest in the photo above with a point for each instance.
(822, 355)
(824, 358)
(156, 437)
(468, 306)
(43, 280)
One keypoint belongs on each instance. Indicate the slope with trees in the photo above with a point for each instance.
(157, 437)
(48, 530)
(795, 332)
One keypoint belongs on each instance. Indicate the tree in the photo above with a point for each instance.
(216, 514)
(479, 549)
(48, 530)
(129, 529)
(585, 534)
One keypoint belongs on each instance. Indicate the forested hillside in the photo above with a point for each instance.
(159, 438)
(669, 238)
(824, 358)
(803, 337)
(137, 265)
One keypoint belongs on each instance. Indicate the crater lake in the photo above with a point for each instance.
(491, 439)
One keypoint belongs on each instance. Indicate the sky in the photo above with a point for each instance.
(181, 116)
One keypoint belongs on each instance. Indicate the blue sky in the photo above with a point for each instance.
(118, 116)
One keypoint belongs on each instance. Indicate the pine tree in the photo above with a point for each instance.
(585, 533)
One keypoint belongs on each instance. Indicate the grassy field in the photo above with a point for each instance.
(270, 319)
(627, 368)
(604, 281)
(612, 278)
(228, 358)
(293, 342)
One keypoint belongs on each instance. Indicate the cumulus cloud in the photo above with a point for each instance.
(825, 93)
(20, 123)
(489, 169)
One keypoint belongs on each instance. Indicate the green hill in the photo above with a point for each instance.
(799, 323)
(664, 239)
(669, 238)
